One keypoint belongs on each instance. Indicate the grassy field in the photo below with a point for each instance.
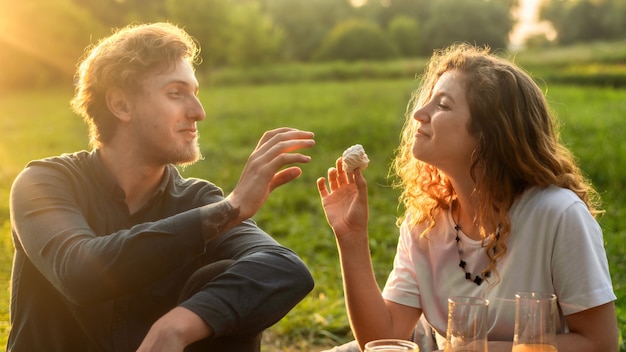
(38, 124)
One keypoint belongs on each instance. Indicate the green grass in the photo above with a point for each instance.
(39, 124)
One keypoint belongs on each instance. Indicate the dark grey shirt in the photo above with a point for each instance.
(90, 276)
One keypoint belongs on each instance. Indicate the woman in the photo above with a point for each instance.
(494, 205)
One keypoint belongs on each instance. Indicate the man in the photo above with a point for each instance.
(106, 240)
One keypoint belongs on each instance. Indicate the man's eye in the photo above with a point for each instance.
(174, 93)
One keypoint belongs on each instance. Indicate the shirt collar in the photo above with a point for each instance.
(104, 176)
(110, 184)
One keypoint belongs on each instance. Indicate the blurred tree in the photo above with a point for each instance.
(614, 18)
(585, 20)
(254, 38)
(306, 23)
(482, 22)
(118, 13)
(228, 31)
(41, 41)
(384, 11)
(356, 39)
(406, 35)
(539, 40)
(208, 21)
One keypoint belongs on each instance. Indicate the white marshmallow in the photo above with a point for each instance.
(354, 158)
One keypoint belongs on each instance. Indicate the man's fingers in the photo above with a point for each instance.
(270, 134)
(274, 137)
(278, 154)
(285, 176)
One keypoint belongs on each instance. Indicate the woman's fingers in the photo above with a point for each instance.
(332, 179)
(321, 187)
(342, 176)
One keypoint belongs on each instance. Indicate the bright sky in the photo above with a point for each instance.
(528, 23)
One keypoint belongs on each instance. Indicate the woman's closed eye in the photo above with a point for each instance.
(174, 94)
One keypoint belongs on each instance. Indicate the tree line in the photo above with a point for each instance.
(41, 40)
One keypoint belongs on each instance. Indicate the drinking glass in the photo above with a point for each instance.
(467, 325)
(391, 345)
(535, 322)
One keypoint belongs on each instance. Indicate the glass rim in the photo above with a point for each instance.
(536, 295)
(469, 300)
(396, 342)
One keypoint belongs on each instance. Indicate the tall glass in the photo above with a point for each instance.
(467, 325)
(535, 322)
(391, 345)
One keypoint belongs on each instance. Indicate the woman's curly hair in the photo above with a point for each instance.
(518, 145)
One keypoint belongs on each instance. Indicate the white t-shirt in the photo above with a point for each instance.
(555, 246)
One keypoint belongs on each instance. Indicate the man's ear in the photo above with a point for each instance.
(118, 103)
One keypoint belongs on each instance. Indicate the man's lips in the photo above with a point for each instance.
(192, 132)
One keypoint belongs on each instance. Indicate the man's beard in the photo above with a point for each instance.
(188, 157)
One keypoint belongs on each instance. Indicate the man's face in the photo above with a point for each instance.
(164, 116)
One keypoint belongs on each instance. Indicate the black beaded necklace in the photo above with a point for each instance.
(463, 264)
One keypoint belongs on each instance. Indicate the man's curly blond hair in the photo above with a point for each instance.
(121, 61)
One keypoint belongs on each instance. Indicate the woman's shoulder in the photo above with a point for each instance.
(550, 202)
(547, 198)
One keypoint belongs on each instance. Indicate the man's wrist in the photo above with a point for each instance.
(217, 218)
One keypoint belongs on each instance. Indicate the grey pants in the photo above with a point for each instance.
(234, 343)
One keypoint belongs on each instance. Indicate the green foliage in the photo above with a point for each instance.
(118, 13)
(354, 40)
(47, 37)
(231, 32)
(474, 21)
(585, 20)
(305, 23)
(326, 71)
(254, 39)
(206, 20)
(406, 35)
(383, 12)
(596, 64)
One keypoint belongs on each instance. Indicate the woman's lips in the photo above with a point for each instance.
(421, 132)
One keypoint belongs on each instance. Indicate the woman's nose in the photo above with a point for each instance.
(421, 114)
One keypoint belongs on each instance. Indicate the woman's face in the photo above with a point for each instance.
(442, 139)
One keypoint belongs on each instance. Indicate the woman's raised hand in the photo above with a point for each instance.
(344, 200)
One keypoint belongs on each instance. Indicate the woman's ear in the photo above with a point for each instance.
(118, 103)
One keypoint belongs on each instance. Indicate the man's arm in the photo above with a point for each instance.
(78, 255)
(265, 282)
(174, 331)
